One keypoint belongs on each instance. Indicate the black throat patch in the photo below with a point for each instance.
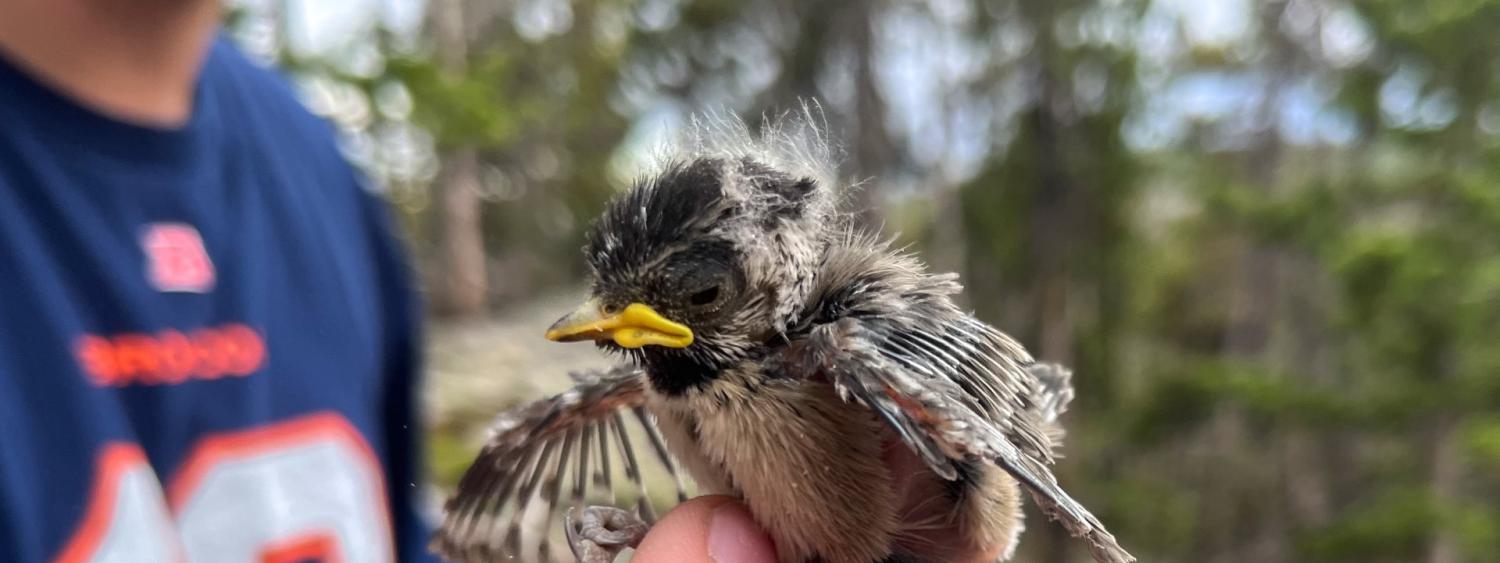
(673, 374)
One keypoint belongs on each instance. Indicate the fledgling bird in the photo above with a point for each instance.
(779, 356)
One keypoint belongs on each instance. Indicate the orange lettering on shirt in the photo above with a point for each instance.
(170, 357)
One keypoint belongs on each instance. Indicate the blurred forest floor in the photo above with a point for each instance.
(477, 368)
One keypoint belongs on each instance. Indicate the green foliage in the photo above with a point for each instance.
(449, 453)
(1155, 513)
(1389, 527)
(1483, 442)
(461, 110)
(1394, 526)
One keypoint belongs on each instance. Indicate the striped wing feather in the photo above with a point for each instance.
(547, 457)
(955, 388)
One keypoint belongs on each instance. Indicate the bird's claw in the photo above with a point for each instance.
(602, 532)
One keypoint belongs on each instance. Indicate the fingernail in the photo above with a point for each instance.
(734, 537)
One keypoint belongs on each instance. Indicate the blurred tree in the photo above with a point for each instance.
(463, 290)
(768, 58)
(515, 97)
(1043, 220)
(1337, 355)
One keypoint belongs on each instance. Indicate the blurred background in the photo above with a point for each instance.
(1266, 233)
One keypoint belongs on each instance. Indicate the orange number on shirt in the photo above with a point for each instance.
(308, 488)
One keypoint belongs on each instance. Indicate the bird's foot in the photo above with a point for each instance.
(602, 532)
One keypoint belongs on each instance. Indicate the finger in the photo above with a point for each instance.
(710, 529)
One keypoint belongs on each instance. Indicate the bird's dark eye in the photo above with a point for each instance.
(705, 297)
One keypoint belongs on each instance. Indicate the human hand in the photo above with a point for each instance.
(718, 529)
(708, 529)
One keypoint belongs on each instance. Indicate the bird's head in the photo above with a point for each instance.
(699, 265)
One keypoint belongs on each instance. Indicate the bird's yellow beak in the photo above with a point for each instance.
(633, 327)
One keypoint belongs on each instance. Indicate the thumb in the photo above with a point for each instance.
(711, 529)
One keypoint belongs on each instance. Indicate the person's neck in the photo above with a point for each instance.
(134, 61)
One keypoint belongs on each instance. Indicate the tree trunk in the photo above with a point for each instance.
(1446, 468)
(873, 148)
(462, 285)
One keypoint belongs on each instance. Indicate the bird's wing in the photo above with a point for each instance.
(954, 389)
(1054, 391)
(507, 502)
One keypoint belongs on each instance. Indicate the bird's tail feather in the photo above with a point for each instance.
(1054, 390)
(1058, 506)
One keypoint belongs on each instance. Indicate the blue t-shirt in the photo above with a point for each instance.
(207, 335)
